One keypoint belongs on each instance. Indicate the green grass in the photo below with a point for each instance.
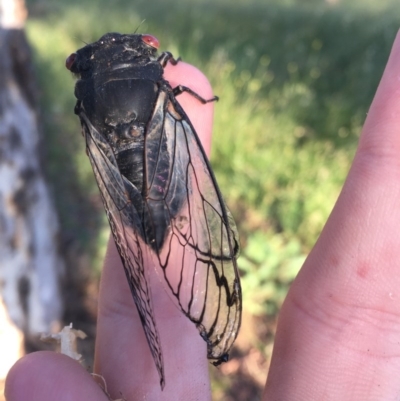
(295, 79)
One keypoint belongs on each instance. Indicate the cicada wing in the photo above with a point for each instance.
(198, 256)
(125, 225)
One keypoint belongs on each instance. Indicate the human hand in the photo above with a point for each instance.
(338, 336)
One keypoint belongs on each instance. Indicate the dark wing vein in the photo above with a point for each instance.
(198, 256)
(122, 218)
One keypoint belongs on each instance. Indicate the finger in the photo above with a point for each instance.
(48, 376)
(122, 353)
(338, 336)
(182, 74)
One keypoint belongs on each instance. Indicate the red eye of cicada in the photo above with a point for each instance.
(70, 61)
(151, 41)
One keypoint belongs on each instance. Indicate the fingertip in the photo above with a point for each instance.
(395, 52)
(188, 75)
(45, 375)
(200, 115)
(380, 136)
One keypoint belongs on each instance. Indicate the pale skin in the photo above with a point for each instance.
(338, 335)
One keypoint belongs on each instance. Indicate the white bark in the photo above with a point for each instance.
(30, 264)
(12, 343)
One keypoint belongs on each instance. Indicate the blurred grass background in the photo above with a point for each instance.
(295, 79)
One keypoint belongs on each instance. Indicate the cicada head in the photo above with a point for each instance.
(111, 52)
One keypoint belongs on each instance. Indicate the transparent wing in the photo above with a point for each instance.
(197, 259)
(123, 219)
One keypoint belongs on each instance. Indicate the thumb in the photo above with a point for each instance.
(338, 333)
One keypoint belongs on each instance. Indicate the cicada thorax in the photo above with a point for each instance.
(120, 108)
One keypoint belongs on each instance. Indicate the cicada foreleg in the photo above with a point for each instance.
(163, 60)
(180, 89)
(167, 56)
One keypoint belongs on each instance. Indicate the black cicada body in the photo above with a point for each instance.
(158, 189)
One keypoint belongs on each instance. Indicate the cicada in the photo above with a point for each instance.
(159, 192)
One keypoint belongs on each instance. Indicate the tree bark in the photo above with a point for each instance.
(30, 264)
